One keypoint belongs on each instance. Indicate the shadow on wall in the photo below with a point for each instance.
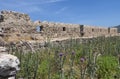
(1, 18)
(82, 30)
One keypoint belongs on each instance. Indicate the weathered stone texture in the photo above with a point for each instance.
(11, 15)
(73, 30)
(19, 26)
(95, 31)
(8, 65)
(60, 29)
(113, 31)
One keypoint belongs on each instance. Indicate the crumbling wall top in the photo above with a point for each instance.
(14, 15)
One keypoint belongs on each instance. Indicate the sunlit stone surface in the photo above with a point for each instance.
(8, 65)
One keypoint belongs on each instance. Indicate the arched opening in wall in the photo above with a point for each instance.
(82, 33)
(39, 28)
(64, 28)
(2, 28)
(108, 30)
(92, 30)
(81, 27)
(100, 30)
(1, 18)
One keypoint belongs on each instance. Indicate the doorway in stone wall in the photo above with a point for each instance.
(64, 28)
(93, 30)
(1, 18)
(82, 30)
(108, 30)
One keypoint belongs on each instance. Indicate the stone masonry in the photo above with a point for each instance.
(16, 26)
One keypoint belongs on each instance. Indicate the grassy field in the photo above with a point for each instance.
(96, 58)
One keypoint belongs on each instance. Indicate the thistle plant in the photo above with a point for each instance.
(72, 57)
(92, 58)
(62, 58)
(83, 67)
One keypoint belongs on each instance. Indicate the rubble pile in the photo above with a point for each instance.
(15, 26)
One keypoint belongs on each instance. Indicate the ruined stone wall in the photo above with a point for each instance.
(15, 22)
(60, 29)
(113, 31)
(15, 26)
(73, 30)
(104, 31)
(11, 15)
(98, 31)
(19, 26)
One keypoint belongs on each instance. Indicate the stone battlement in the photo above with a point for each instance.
(64, 29)
(18, 26)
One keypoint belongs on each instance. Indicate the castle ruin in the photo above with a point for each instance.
(16, 26)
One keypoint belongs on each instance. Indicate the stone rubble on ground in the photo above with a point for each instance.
(9, 65)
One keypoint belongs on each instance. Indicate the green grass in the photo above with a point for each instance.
(50, 64)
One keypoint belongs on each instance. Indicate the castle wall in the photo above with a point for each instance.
(61, 30)
(98, 31)
(18, 22)
(14, 15)
(113, 31)
(55, 30)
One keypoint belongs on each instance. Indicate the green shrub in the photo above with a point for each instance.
(43, 69)
(107, 67)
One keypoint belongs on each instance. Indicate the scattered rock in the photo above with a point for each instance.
(9, 65)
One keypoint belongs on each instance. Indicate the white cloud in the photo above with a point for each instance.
(31, 9)
(53, 1)
(26, 5)
(36, 9)
(61, 10)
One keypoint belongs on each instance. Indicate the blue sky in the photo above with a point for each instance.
(89, 12)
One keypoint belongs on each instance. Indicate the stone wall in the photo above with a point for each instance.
(113, 31)
(18, 26)
(95, 31)
(12, 15)
(74, 30)
(15, 22)
(60, 29)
